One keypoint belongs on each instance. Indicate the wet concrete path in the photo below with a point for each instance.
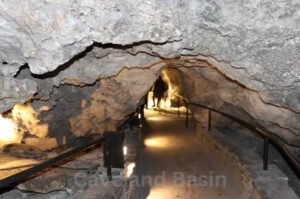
(175, 164)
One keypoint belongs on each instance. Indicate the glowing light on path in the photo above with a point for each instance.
(125, 150)
(158, 142)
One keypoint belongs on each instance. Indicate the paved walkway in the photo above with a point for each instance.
(176, 165)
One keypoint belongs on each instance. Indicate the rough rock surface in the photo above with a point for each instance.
(255, 43)
(115, 98)
(77, 111)
(15, 91)
(212, 89)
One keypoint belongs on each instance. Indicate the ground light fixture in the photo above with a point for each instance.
(125, 150)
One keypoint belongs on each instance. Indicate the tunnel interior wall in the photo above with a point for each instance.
(75, 108)
(240, 57)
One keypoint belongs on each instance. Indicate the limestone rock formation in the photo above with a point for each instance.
(253, 43)
(212, 89)
(15, 91)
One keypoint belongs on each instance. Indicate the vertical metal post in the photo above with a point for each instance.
(108, 156)
(178, 105)
(187, 115)
(141, 139)
(141, 111)
(146, 100)
(209, 120)
(266, 153)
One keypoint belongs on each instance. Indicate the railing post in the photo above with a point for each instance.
(140, 117)
(266, 153)
(146, 100)
(209, 120)
(187, 115)
(141, 111)
(108, 158)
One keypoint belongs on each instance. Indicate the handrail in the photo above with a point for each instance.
(277, 141)
(16, 178)
(267, 135)
(20, 176)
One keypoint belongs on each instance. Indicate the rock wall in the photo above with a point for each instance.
(79, 111)
(207, 86)
(45, 44)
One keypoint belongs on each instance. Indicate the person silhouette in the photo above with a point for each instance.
(160, 87)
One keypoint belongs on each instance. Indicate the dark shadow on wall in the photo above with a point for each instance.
(68, 104)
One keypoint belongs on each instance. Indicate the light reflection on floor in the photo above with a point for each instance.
(171, 149)
(157, 118)
(158, 142)
(161, 192)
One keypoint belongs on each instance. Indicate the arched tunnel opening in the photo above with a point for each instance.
(80, 116)
(195, 97)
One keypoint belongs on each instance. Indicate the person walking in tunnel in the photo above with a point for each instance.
(160, 87)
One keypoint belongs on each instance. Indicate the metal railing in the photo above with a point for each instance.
(19, 177)
(268, 136)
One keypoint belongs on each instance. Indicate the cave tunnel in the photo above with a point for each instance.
(81, 117)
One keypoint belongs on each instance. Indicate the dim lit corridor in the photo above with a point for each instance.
(176, 164)
(75, 77)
